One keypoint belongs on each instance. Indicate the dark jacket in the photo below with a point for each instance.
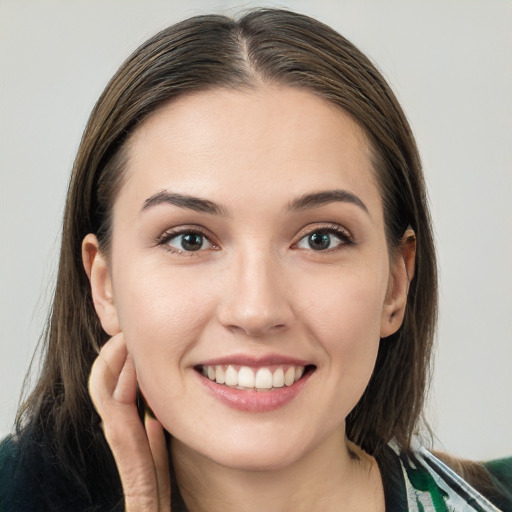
(32, 480)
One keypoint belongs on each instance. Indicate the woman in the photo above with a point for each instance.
(247, 246)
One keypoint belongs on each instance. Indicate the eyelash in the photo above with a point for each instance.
(344, 237)
(166, 237)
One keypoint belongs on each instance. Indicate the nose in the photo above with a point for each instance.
(255, 297)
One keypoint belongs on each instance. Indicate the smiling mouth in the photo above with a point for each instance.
(266, 378)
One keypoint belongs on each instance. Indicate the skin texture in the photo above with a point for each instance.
(255, 288)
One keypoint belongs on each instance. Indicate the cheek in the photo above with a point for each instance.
(161, 315)
(344, 315)
(345, 304)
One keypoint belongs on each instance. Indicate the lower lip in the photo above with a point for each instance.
(253, 400)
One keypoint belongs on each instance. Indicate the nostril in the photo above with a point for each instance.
(255, 306)
(255, 329)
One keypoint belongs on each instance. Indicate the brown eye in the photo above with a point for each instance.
(189, 241)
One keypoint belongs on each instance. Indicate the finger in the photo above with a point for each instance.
(158, 446)
(107, 367)
(111, 384)
(126, 387)
(113, 388)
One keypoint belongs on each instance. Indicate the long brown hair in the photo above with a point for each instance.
(273, 46)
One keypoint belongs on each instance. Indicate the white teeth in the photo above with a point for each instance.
(289, 376)
(278, 378)
(264, 378)
(246, 377)
(231, 378)
(220, 374)
(250, 378)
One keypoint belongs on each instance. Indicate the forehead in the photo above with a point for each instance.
(223, 142)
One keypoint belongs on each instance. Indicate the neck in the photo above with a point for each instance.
(336, 476)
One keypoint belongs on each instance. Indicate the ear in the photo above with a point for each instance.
(97, 270)
(401, 274)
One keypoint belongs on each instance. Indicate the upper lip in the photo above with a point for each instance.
(255, 361)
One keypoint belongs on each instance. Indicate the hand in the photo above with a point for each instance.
(139, 450)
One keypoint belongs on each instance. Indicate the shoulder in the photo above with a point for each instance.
(18, 491)
(31, 479)
(493, 479)
(428, 483)
(500, 472)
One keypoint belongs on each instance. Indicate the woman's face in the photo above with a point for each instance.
(249, 245)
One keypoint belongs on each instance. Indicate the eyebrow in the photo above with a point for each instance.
(304, 202)
(184, 201)
(329, 196)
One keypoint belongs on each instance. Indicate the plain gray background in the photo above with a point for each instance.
(450, 64)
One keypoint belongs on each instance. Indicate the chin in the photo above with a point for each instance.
(256, 460)
(252, 449)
